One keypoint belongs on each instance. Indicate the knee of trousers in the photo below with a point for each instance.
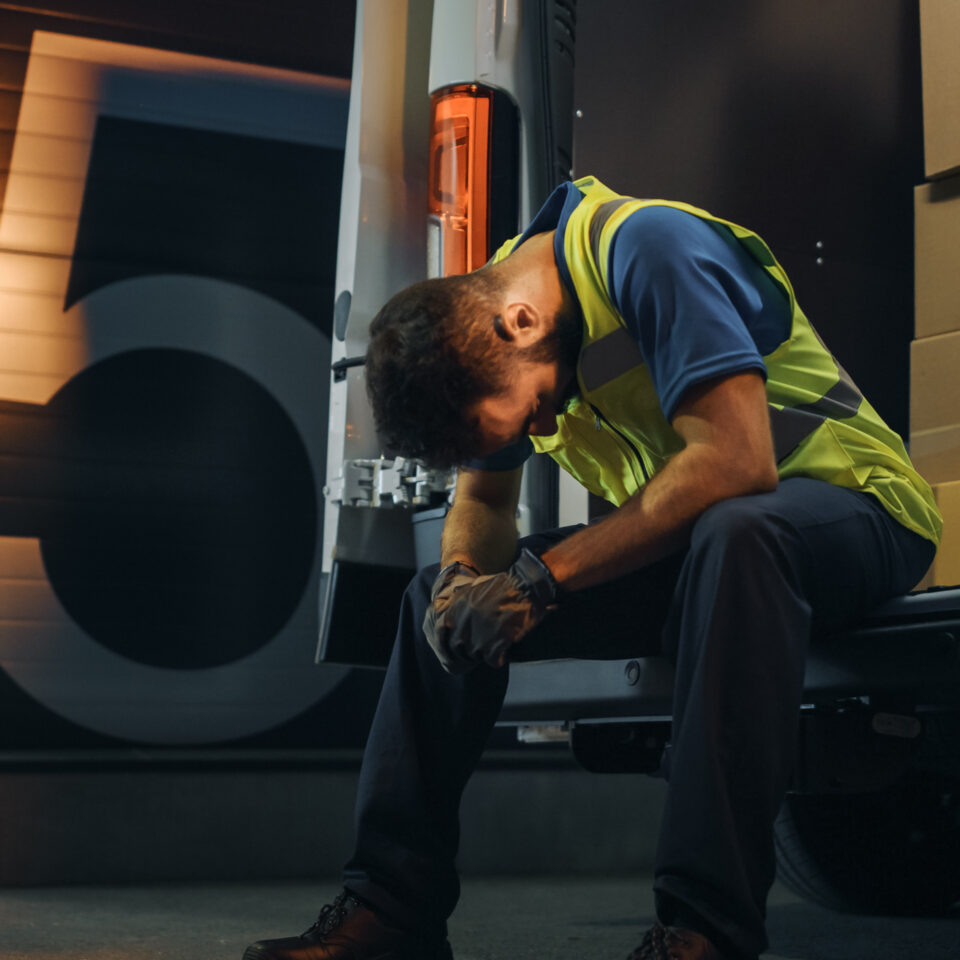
(744, 531)
(422, 583)
(746, 569)
(416, 597)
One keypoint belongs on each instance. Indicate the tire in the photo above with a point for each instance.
(895, 852)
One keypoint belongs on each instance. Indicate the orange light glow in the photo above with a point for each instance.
(460, 175)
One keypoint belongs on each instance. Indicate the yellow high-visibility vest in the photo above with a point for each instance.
(614, 437)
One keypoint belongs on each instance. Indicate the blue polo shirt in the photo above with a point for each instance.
(698, 304)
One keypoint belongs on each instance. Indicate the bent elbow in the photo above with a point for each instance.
(757, 476)
(766, 479)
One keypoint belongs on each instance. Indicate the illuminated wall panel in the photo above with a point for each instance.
(166, 256)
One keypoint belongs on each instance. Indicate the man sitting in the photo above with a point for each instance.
(659, 355)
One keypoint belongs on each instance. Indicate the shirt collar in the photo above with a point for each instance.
(553, 215)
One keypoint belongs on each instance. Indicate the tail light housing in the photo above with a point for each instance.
(473, 177)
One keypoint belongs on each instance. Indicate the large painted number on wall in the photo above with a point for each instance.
(73, 662)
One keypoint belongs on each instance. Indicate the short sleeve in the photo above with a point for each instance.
(698, 304)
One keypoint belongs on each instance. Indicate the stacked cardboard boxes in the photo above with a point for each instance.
(935, 353)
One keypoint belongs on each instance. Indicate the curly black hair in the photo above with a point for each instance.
(429, 359)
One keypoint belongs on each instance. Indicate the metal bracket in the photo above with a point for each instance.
(389, 483)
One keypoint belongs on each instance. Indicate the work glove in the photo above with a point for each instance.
(479, 618)
(451, 580)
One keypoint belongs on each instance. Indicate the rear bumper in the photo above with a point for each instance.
(908, 649)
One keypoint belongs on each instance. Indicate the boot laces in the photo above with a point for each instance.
(333, 914)
(658, 943)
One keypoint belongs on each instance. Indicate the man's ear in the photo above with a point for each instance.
(519, 323)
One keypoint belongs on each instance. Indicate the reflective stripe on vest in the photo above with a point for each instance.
(599, 220)
(792, 425)
(609, 357)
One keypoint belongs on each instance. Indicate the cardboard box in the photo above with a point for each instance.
(935, 407)
(935, 383)
(936, 453)
(945, 571)
(936, 208)
(939, 43)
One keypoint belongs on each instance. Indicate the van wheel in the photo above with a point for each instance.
(892, 852)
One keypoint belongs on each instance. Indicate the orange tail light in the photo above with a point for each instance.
(459, 179)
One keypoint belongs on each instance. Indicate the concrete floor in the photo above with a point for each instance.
(543, 918)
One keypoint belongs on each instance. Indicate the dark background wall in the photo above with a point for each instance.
(800, 121)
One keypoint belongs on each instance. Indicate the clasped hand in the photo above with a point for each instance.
(474, 618)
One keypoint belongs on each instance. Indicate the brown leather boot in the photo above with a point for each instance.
(347, 929)
(675, 943)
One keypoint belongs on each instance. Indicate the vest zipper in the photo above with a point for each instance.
(602, 419)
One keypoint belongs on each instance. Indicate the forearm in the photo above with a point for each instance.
(655, 523)
(481, 535)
